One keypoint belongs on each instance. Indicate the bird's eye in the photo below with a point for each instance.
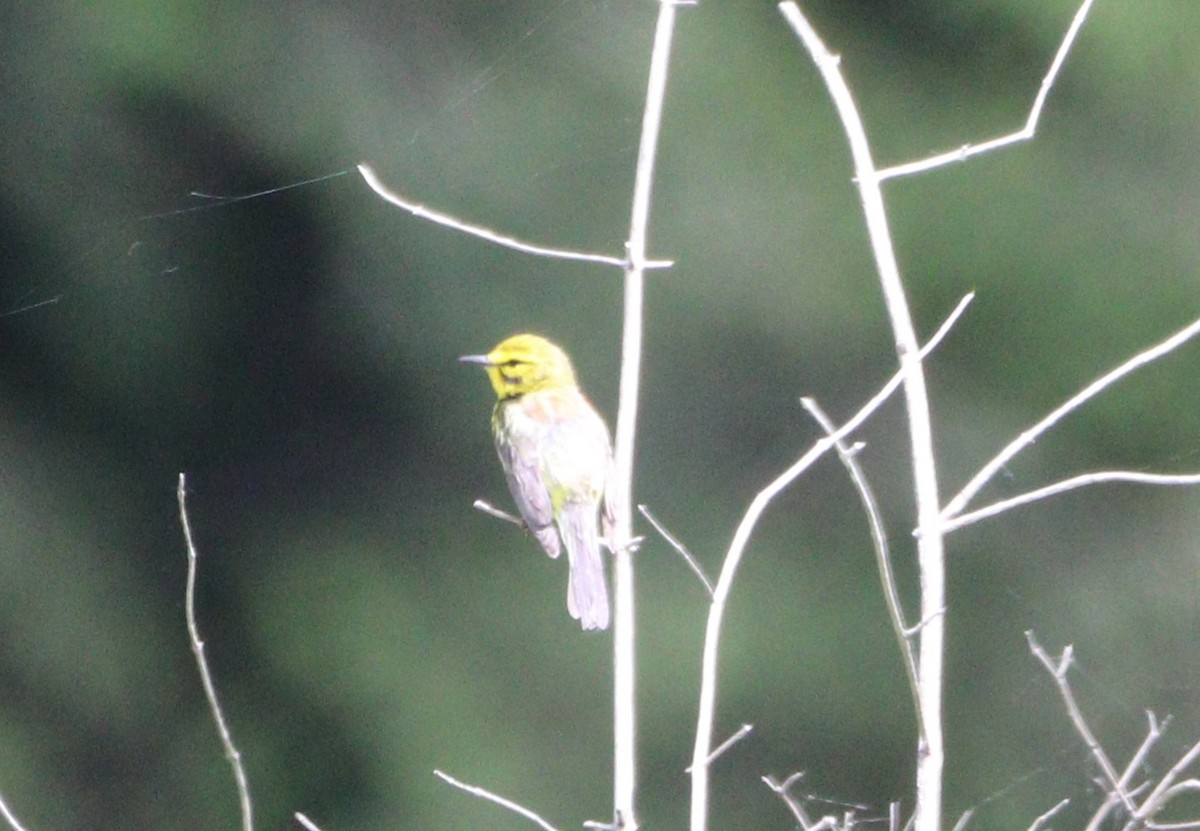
(512, 362)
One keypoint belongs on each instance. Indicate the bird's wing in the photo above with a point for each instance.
(522, 468)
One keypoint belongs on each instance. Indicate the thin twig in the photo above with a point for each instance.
(1164, 790)
(306, 822)
(9, 817)
(440, 218)
(1111, 801)
(742, 732)
(210, 690)
(931, 543)
(733, 558)
(964, 820)
(1024, 134)
(1080, 481)
(1187, 785)
(1173, 826)
(679, 547)
(1041, 821)
(482, 793)
(956, 505)
(1058, 670)
(783, 790)
(923, 622)
(1153, 733)
(930, 548)
(883, 557)
(826, 823)
(491, 510)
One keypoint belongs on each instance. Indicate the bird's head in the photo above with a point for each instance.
(523, 364)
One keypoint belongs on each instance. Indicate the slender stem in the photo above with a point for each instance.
(883, 556)
(1041, 821)
(1058, 671)
(1024, 134)
(210, 690)
(733, 558)
(930, 545)
(504, 802)
(679, 547)
(9, 817)
(956, 505)
(1080, 481)
(624, 723)
(422, 212)
(1158, 797)
(719, 750)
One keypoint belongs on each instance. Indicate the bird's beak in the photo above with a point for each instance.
(476, 359)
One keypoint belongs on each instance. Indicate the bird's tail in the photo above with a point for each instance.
(587, 592)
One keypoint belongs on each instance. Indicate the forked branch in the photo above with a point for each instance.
(733, 558)
(1141, 812)
(1024, 134)
(955, 507)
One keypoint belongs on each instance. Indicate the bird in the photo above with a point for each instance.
(557, 457)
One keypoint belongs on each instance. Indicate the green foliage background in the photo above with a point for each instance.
(295, 355)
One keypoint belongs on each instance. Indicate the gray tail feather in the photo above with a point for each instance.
(587, 592)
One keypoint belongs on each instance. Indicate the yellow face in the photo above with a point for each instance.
(523, 364)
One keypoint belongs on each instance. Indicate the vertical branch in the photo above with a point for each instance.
(210, 690)
(930, 547)
(733, 558)
(624, 735)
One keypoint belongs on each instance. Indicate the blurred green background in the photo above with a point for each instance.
(295, 355)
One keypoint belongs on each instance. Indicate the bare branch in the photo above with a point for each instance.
(1166, 789)
(964, 820)
(733, 558)
(423, 212)
(9, 817)
(1173, 826)
(679, 547)
(783, 790)
(1041, 821)
(1080, 481)
(923, 622)
(625, 433)
(308, 824)
(1024, 134)
(931, 542)
(742, 732)
(210, 690)
(1153, 733)
(475, 790)
(847, 821)
(1059, 672)
(956, 505)
(1112, 801)
(491, 510)
(883, 557)
(1188, 785)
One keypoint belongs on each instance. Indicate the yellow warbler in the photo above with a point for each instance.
(556, 455)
